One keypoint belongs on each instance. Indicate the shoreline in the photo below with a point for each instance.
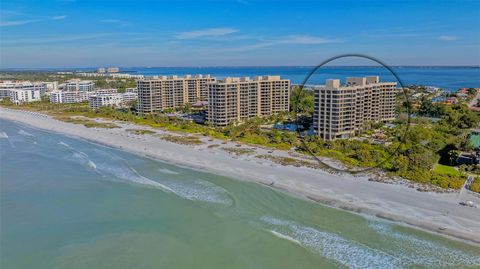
(439, 213)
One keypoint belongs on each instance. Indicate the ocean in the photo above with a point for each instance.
(448, 78)
(70, 203)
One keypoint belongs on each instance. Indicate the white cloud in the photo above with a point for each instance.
(294, 40)
(59, 17)
(447, 38)
(210, 32)
(15, 23)
(306, 40)
(52, 39)
(250, 47)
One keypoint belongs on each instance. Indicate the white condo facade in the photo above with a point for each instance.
(69, 97)
(78, 85)
(99, 100)
(105, 100)
(22, 91)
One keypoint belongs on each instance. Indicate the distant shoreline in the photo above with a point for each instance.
(55, 69)
(435, 212)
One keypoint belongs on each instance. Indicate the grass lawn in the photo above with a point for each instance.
(446, 170)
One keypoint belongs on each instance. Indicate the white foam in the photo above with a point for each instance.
(167, 171)
(65, 144)
(334, 247)
(195, 190)
(200, 190)
(418, 251)
(116, 168)
(4, 135)
(91, 165)
(130, 175)
(286, 237)
(25, 133)
(82, 158)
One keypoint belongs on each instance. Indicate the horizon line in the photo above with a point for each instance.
(229, 66)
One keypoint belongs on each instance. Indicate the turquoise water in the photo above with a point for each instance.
(69, 203)
(475, 140)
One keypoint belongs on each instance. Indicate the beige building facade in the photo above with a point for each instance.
(233, 100)
(341, 111)
(161, 92)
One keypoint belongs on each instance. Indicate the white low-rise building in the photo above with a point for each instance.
(89, 74)
(105, 91)
(105, 100)
(124, 75)
(69, 97)
(113, 70)
(22, 91)
(129, 97)
(78, 85)
(21, 96)
(51, 86)
(99, 100)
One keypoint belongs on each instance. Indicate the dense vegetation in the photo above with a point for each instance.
(475, 186)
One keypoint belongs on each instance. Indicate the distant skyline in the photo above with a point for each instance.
(84, 33)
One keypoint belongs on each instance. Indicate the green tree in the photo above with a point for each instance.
(302, 100)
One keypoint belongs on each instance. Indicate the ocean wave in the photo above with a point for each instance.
(195, 190)
(286, 237)
(418, 251)
(25, 133)
(167, 171)
(82, 158)
(5, 136)
(65, 145)
(106, 169)
(129, 174)
(331, 246)
(200, 190)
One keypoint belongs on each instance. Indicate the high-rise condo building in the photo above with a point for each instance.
(342, 110)
(161, 92)
(233, 100)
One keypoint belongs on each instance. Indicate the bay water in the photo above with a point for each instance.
(449, 78)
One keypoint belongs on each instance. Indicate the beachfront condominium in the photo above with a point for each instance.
(78, 85)
(99, 100)
(233, 100)
(341, 111)
(158, 93)
(22, 91)
(70, 97)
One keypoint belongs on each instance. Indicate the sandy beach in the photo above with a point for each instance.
(435, 212)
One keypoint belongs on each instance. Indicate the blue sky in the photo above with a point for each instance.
(85, 33)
